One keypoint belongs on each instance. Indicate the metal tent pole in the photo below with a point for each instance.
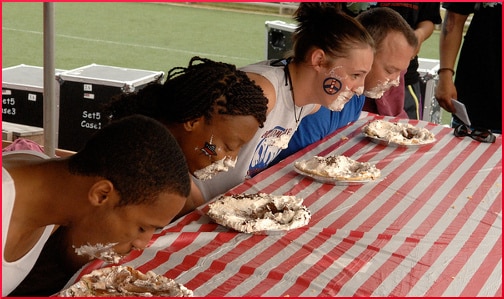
(51, 101)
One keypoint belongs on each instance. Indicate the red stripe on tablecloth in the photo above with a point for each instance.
(307, 248)
(266, 255)
(472, 243)
(261, 259)
(499, 292)
(182, 223)
(339, 281)
(485, 270)
(193, 217)
(215, 266)
(248, 184)
(403, 288)
(299, 287)
(182, 241)
(381, 273)
(327, 259)
(191, 260)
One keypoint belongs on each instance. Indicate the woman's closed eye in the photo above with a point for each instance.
(357, 76)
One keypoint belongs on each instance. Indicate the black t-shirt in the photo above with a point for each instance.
(414, 13)
(479, 70)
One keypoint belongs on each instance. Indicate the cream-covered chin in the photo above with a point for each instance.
(216, 167)
(378, 91)
(359, 91)
(341, 100)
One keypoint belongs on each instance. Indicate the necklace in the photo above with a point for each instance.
(288, 80)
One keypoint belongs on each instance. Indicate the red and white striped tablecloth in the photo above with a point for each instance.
(430, 226)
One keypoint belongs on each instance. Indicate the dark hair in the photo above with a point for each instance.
(325, 26)
(201, 89)
(381, 21)
(139, 156)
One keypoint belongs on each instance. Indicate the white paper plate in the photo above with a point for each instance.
(386, 142)
(242, 217)
(332, 181)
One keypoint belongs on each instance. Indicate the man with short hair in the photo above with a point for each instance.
(116, 190)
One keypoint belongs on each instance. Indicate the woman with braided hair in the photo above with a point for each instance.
(210, 107)
(332, 54)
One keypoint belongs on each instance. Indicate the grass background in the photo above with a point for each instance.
(146, 36)
(140, 35)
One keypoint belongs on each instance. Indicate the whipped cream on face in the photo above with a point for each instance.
(121, 281)
(259, 212)
(341, 100)
(359, 90)
(218, 166)
(100, 251)
(338, 167)
(400, 133)
(378, 91)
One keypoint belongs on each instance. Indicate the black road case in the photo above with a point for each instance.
(22, 94)
(82, 93)
(278, 39)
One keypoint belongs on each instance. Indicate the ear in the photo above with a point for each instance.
(318, 59)
(102, 192)
(193, 124)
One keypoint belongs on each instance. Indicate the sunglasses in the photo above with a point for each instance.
(481, 135)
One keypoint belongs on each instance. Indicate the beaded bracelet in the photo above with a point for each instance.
(446, 69)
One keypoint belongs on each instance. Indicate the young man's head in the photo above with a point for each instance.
(396, 45)
(141, 181)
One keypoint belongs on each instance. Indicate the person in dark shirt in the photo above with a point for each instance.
(478, 77)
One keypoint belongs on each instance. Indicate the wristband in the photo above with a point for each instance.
(446, 69)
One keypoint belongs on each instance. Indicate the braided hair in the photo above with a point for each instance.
(202, 88)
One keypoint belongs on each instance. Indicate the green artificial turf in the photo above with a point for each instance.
(133, 35)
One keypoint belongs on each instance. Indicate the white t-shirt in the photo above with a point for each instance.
(13, 273)
(266, 144)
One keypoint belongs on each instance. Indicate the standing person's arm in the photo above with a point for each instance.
(423, 31)
(449, 44)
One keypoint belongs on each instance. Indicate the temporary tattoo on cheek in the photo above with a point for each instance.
(209, 149)
(332, 85)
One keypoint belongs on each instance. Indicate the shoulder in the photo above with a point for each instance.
(267, 87)
(20, 157)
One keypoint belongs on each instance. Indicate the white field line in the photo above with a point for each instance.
(129, 44)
